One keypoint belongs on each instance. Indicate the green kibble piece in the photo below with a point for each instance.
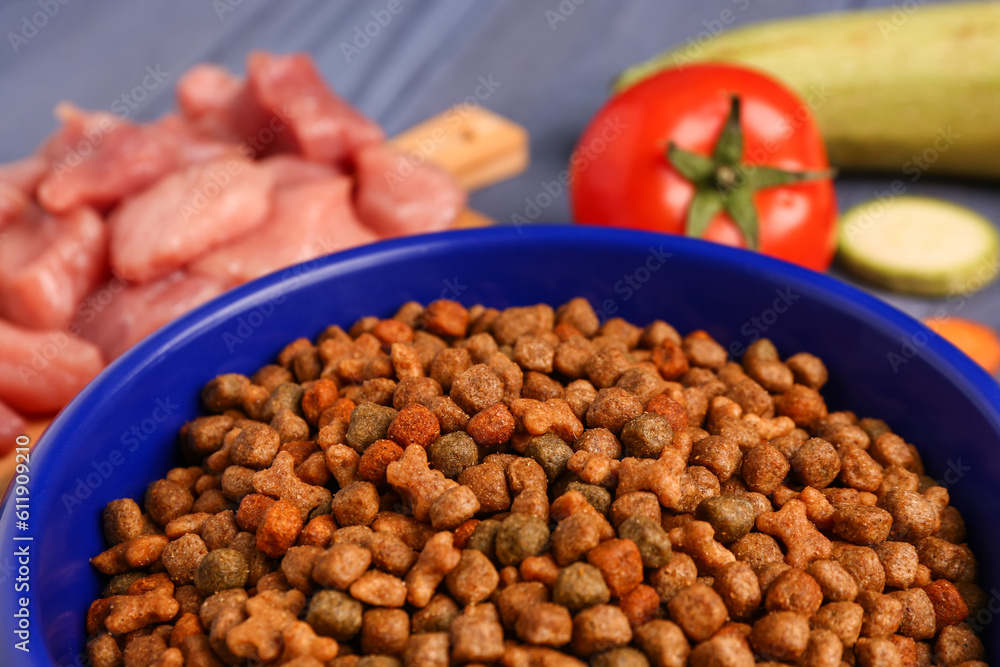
(286, 396)
(325, 507)
(551, 452)
(484, 537)
(649, 536)
(647, 435)
(579, 586)
(521, 536)
(369, 422)
(119, 583)
(335, 614)
(597, 496)
(452, 453)
(221, 570)
(732, 517)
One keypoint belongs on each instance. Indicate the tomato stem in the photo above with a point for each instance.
(723, 183)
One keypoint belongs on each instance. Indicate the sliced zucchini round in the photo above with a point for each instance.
(919, 245)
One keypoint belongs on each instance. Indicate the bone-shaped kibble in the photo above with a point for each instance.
(343, 463)
(131, 612)
(301, 643)
(280, 481)
(818, 507)
(662, 476)
(413, 478)
(260, 636)
(792, 525)
(697, 540)
(769, 429)
(554, 415)
(138, 552)
(438, 558)
(594, 468)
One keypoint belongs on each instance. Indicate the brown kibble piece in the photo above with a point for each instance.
(739, 589)
(699, 611)
(167, 500)
(918, 613)
(545, 624)
(958, 645)
(816, 463)
(122, 521)
(640, 605)
(876, 652)
(474, 578)
(341, 565)
(414, 425)
(379, 589)
(476, 635)
(612, 409)
(781, 635)
(620, 564)
(446, 318)
(599, 628)
(862, 525)
(764, 468)
(794, 590)
(279, 528)
(385, 632)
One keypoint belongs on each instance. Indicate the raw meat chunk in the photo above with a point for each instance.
(40, 371)
(11, 426)
(220, 105)
(48, 264)
(117, 316)
(309, 220)
(24, 174)
(396, 197)
(185, 215)
(98, 158)
(326, 128)
(293, 170)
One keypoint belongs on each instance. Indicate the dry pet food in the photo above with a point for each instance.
(531, 487)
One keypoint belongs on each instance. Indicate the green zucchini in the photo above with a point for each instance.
(912, 88)
(919, 245)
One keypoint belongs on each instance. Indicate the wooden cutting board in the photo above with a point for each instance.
(478, 147)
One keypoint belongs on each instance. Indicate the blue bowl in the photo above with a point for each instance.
(120, 432)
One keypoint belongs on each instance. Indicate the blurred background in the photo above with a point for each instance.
(549, 64)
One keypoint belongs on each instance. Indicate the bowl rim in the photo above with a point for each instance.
(970, 379)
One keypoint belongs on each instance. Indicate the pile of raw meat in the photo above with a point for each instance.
(113, 228)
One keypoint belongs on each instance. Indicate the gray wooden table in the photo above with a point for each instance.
(400, 61)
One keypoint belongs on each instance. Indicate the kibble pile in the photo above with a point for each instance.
(528, 487)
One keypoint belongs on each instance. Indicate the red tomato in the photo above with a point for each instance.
(621, 175)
